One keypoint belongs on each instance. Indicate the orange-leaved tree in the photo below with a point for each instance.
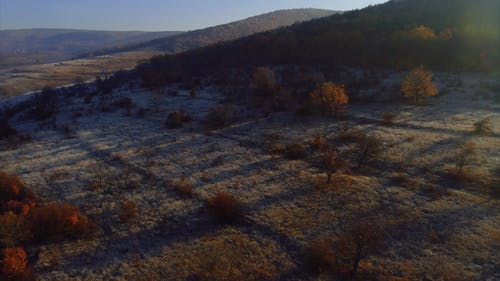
(418, 84)
(423, 32)
(330, 97)
(14, 261)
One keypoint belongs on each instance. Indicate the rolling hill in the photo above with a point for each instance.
(225, 32)
(33, 46)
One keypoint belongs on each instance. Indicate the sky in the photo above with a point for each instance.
(148, 15)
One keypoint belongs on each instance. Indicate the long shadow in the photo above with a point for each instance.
(189, 226)
(371, 120)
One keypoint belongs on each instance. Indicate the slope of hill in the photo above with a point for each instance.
(225, 32)
(149, 188)
(442, 34)
(28, 46)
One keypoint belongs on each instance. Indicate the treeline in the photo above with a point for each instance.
(457, 35)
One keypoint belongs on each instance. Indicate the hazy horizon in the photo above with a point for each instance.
(155, 15)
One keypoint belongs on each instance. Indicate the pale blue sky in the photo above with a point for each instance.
(151, 15)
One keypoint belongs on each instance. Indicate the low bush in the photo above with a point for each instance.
(225, 207)
(45, 104)
(125, 103)
(15, 264)
(6, 130)
(220, 116)
(13, 229)
(12, 189)
(321, 143)
(320, 256)
(14, 261)
(368, 148)
(128, 211)
(331, 162)
(176, 119)
(183, 189)
(483, 127)
(388, 118)
(56, 222)
(295, 151)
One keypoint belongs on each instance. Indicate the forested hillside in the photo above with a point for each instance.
(454, 35)
(230, 31)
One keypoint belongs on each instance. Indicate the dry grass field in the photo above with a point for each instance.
(24, 79)
(236, 203)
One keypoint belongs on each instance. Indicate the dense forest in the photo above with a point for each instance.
(456, 35)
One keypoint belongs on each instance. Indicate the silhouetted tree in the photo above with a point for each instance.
(264, 81)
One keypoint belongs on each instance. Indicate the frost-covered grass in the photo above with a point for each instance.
(434, 219)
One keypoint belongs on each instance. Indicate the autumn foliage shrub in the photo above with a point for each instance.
(54, 222)
(14, 262)
(331, 162)
(128, 211)
(24, 219)
(225, 207)
(12, 229)
(14, 196)
(330, 98)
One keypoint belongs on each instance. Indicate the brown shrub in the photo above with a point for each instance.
(361, 239)
(403, 180)
(225, 207)
(483, 127)
(220, 116)
(320, 256)
(54, 222)
(331, 162)
(15, 265)
(13, 229)
(434, 192)
(388, 118)
(12, 190)
(295, 151)
(14, 262)
(176, 119)
(465, 155)
(128, 211)
(368, 148)
(6, 130)
(184, 189)
(321, 143)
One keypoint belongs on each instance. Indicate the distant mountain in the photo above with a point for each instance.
(29, 46)
(453, 35)
(203, 37)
